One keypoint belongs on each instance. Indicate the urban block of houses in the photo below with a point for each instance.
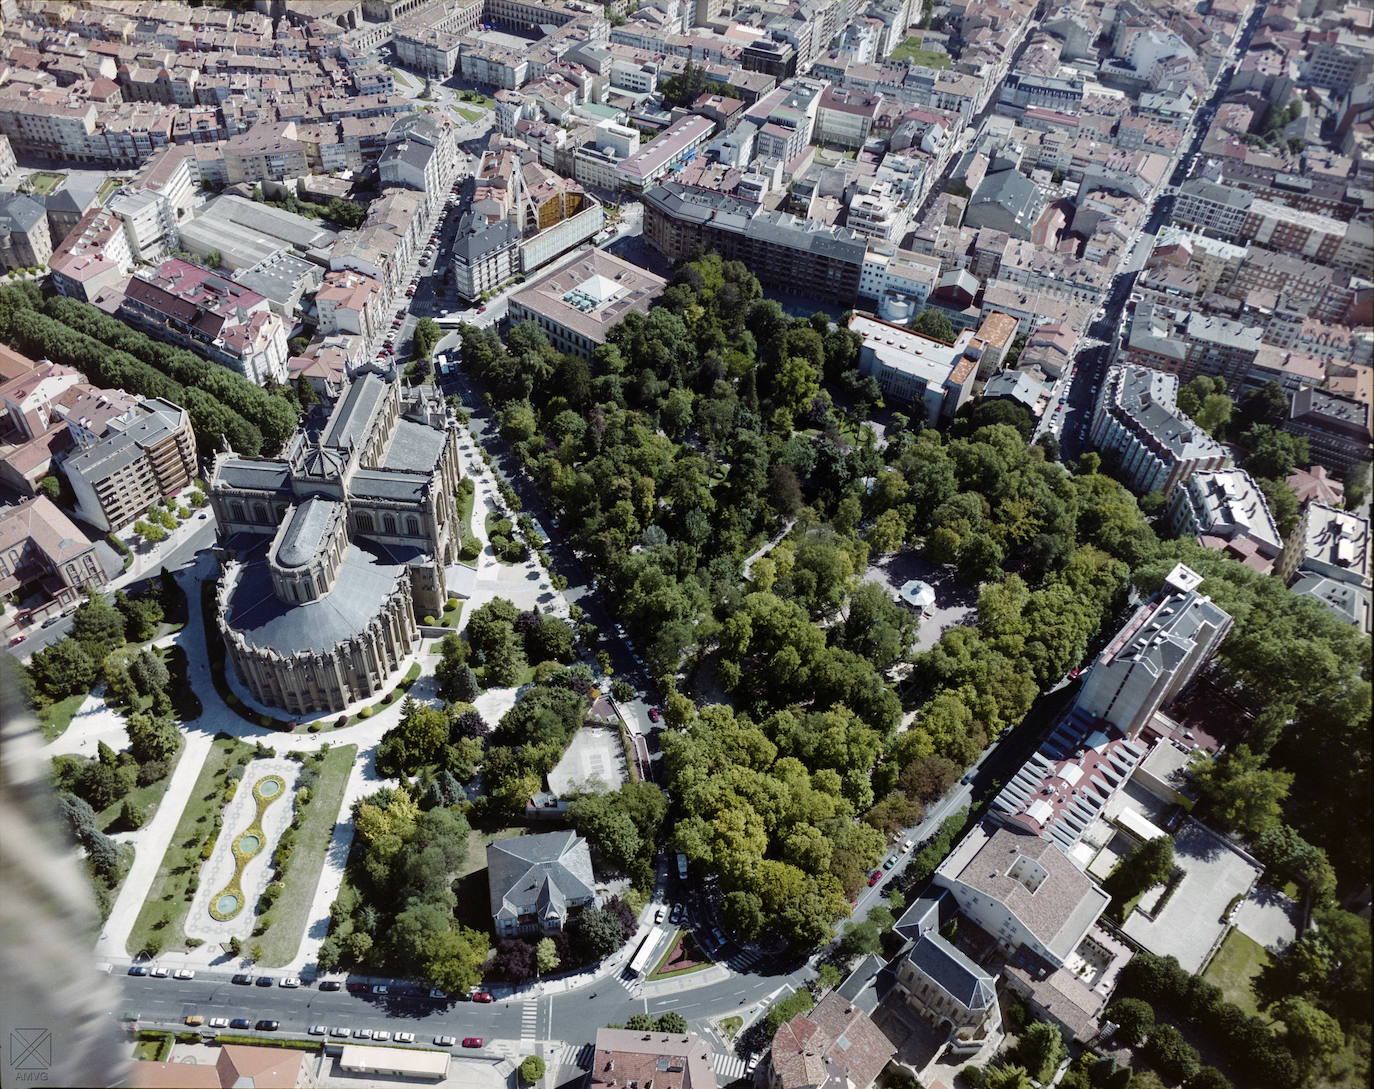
(539, 883)
(46, 562)
(835, 1046)
(665, 1060)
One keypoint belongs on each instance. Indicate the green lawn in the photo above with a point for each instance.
(291, 911)
(467, 115)
(913, 50)
(56, 717)
(146, 797)
(43, 182)
(164, 912)
(1237, 962)
(108, 188)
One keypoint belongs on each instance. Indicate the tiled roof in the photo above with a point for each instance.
(836, 1046)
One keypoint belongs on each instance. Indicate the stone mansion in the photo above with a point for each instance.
(330, 552)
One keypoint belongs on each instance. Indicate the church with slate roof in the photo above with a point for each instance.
(331, 551)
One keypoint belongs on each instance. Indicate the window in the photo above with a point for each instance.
(365, 524)
(389, 523)
(412, 525)
(236, 511)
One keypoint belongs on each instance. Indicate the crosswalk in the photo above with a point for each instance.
(579, 1055)
(529, 1022)
(729, 1067)
(742, 962)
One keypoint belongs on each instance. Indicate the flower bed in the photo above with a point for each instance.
(683, 956)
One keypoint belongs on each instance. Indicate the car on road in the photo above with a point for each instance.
(138, 970)
(874, 878)
(265, 981)
(195, 1020)
(675, 915)
(184, 973)
(655, 714)
(330, 985)
(266, 1024)
(889, 862)
(16, 640)
(404, 1037)
(444, 1041)
(483, 996)
(472, 1041)
(382, 1034)
(658, 915)
(318, 1030)
(907, 845)
(362, 1034)
(240, 1023)
(380, 989)
(219, 1022)
(288, 981)
(357, 988)
(341, 1033)
(481, 309)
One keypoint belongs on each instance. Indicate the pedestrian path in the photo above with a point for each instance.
(729, 1067)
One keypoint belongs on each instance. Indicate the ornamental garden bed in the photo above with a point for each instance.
(682, 957)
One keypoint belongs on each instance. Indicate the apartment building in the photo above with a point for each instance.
(1225, 510)
(1339, 430)
(25, 241)
(1327, 557)
(94, 257)
(143, 454)
(210, 314)
(1154, 656)
(1137, 421)
(1189, 343)
(783, 251)
(46, 562)
(663, 154)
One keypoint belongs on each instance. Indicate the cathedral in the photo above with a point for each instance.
(330, 552)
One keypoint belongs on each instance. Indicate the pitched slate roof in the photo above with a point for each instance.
(953, 972)
(547, 869)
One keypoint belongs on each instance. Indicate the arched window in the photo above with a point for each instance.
(260, 512)
(365, 524)
(236, 511)
(412, 525)
(389, 523)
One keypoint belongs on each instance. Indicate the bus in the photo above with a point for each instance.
(639, 966)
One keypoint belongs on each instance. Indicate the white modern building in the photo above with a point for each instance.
(1137, 420)
(918, 369)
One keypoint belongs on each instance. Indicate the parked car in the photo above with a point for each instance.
(658, 915)
(472, 1041)
(434, 992)
(16, 640)
(889, 862)
(444, 1041)
(654, 714)
(379, 989)
(240, 1023)
(288, 981)
(184, 973)
(483, 996)
(219, 1022)
(265, 981)
(330, 985)
(195, 1019)
(404, 1037)
(142, 970)
(341, 1033)
(382, 1034)
(318, 1030)
(481, 309)
(907, 845)
(357, 988)
(362, 1034)
(266, 1024)
(874, 878)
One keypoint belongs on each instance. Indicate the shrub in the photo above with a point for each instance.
(366, 712)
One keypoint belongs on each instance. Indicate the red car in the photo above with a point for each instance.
(483, 996)
(874, 878)
(472, 1041)
(654, 714)
(481, 308)
(357, 988)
